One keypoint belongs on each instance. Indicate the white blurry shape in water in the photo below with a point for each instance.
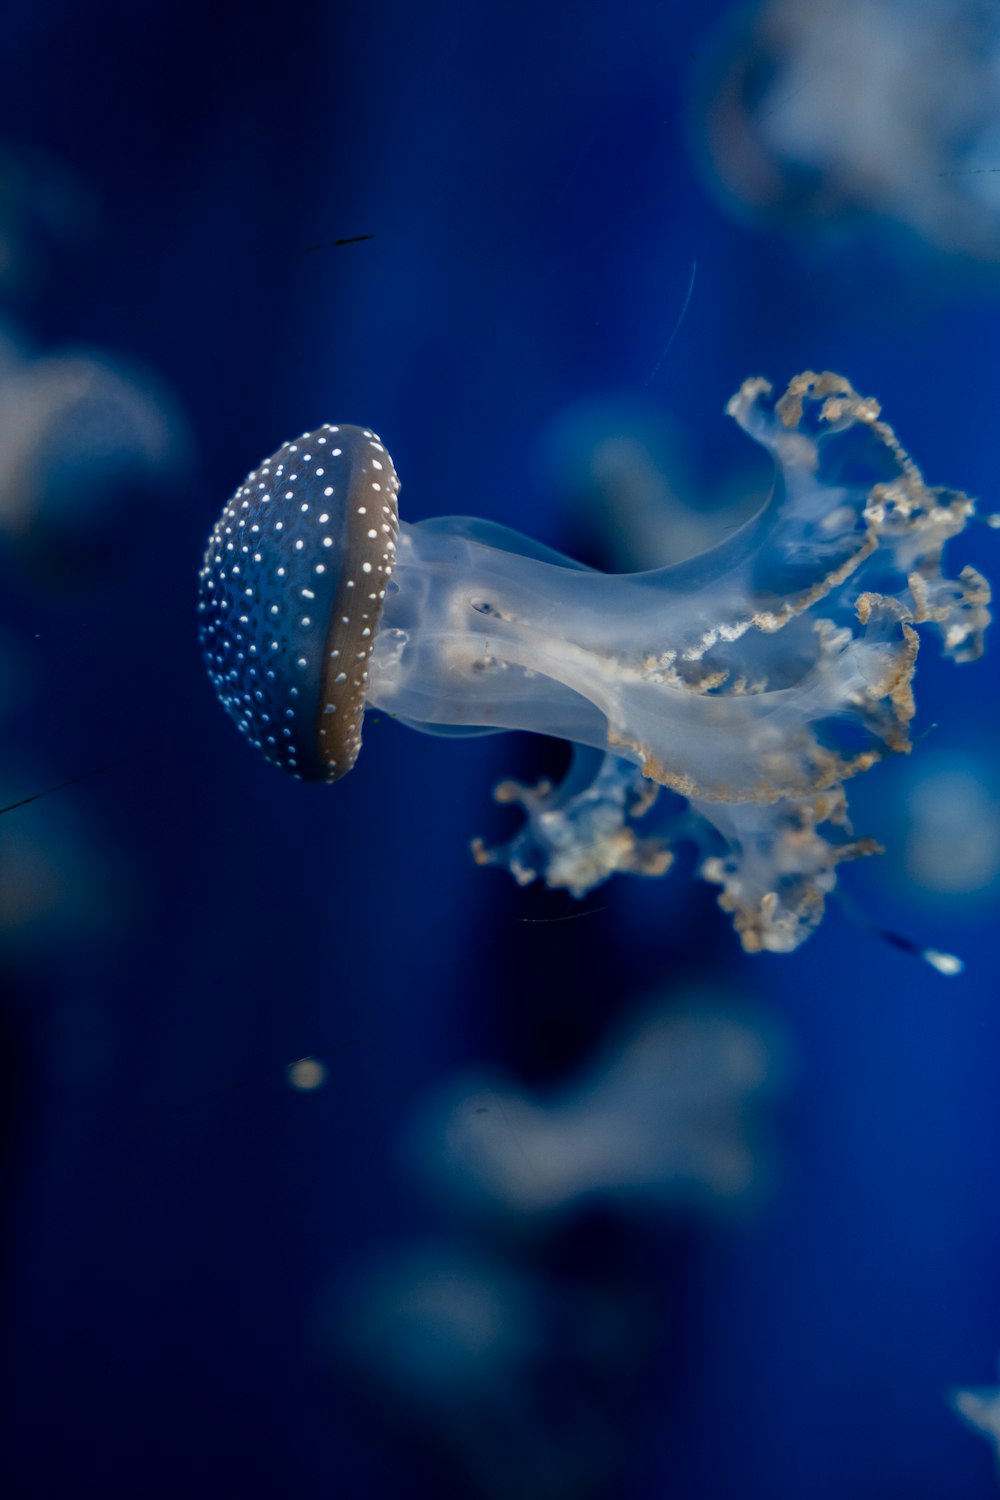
(665, 1119)
(979, 1406)
(951, 844)
(818, 111)
(84, 436)
(527, 1384)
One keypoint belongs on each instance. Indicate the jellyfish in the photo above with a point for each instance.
(812, 119)
(664, 1120)
(979, 1407)
(517, 1382)
(86, 439)
(724, 701)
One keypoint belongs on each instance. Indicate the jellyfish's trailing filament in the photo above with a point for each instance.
(753, 680)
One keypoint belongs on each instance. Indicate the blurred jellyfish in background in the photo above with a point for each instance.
(665, 1119)
(92, 445)
(939, 823)
(496, 1378)
(520, 1352)
(951, 847)
(89, 442)
(820, 113)
(979, 1407)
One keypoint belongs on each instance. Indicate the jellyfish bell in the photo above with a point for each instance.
(291, 593)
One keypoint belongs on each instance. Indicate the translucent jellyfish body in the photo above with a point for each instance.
(753, 680)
